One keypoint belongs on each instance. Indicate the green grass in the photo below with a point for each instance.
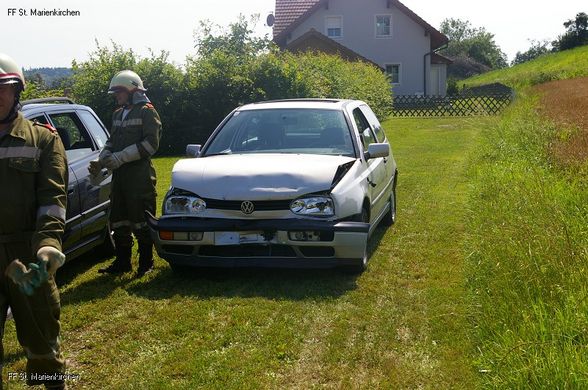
(403, 324)
(554, 66)
(527, 253)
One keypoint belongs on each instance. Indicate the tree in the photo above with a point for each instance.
(472, 44)
(576, 34)
(537, 48)
(238, 40)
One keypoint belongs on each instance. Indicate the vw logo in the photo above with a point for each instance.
(247, 207)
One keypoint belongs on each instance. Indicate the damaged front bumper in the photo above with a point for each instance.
(216, 242)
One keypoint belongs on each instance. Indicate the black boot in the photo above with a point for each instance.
(145, 257)
(122, 263)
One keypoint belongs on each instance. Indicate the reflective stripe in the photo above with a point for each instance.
(147, 146)
(130, 153)
(20, 151)
(129, 122)
(53, 211)
(120, 224)
(45, 356)
(140, 225)
(134, 226)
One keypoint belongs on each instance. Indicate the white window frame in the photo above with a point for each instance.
(376, 26)
(399, 71)
(340, 17)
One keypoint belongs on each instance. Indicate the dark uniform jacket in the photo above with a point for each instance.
(141, 127)
(33, 174)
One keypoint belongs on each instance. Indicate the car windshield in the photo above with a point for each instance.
(301, 131)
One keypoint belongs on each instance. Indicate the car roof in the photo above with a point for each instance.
(47, 107)
(325, 104)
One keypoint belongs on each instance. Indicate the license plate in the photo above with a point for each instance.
(235, 238)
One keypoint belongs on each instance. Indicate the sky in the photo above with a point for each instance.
(54, 41)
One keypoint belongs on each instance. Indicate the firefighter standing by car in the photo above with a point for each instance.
(134, 138)
(33, 176)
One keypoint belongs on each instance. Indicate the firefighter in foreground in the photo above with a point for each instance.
(33, 177)
(134, 138)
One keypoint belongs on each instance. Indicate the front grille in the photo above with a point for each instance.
(259, 205)
(247, 251)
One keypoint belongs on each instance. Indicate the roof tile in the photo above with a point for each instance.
(288, 11)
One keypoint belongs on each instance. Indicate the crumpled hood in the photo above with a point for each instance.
(256, 176)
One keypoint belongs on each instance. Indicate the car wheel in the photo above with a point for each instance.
(361, 264)
(107, 248)
(390, 217)
(179, 269)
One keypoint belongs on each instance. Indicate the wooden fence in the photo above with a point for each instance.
(484, 100)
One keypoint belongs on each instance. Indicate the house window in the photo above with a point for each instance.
(334, 26)
(393, 71)
(383, 26)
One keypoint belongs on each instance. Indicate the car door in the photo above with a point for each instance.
(73, 228)
(389, 164)
(81, 148)
(96, 205)
(375, 167)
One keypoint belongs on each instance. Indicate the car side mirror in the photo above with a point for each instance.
(193, 150)
(377, 150)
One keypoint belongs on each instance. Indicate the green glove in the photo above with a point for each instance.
(27, 279)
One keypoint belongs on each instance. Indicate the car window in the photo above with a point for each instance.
(40, 119)
(374, 122)
(365, 133)
(76, 141)
(95, 128)
(288, 130)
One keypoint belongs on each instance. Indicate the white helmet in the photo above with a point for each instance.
(10, 72)
(126, 80)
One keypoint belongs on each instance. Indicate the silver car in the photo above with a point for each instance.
(288, 183)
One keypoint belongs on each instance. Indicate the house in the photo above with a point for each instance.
(383, 32)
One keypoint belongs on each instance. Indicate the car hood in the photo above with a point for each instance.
(256, 176)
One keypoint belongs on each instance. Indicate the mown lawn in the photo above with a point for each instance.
(402, 324)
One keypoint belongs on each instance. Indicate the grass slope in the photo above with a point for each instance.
(527, 258)
(553, 66)
(401, 325)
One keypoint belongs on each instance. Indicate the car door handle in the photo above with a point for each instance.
(71, 190)
(371, 183)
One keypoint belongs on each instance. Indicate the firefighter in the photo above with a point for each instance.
(34, 174)
(134, 138)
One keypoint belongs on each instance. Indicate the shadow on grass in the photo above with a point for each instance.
(205, 283)
(78, 266)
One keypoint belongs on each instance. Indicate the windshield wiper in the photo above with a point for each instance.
(226, 151)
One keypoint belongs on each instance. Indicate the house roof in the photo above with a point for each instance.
(313, 40)
(290, 14)
(437, 58)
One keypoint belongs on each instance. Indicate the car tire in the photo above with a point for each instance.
(390, 216)
(360, 265)
(179, 269)
(107, 248)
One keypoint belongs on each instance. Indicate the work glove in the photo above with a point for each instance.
(50, 259)
(112, 161)
(116, 159)
(95, 167)
(27, 279)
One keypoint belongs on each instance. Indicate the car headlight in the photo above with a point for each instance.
(183, 204)
(314, 205)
